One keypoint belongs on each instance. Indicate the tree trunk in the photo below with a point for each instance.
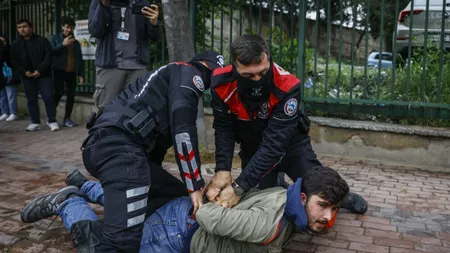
(181, 47)
(178, 32)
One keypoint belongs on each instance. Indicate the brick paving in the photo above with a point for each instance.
(409, 208)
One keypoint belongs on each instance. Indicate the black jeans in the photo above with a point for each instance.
(68, 80)
(299, 159)
(122, 167)
(44, 86)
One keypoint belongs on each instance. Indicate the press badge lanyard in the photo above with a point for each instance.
(122, 35)
(122, 25)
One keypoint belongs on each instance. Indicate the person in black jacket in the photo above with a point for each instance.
(154, 113)
(68, 67)
(2, 59)
(32, 60)
(255, 103)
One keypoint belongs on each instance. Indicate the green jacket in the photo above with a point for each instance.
(60, 55)
(245, 227)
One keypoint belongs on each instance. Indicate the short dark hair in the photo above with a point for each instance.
(24, 20)
(68, 21)
(325, 183)
(247, 49)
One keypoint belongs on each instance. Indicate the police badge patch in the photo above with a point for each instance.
(198, 82)
(290, 108)
(220, 61)
(264, 111)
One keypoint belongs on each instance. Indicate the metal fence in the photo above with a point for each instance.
(332, 45)
(46, 17)
(353, 57)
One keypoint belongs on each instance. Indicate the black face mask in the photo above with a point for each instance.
(206, 73)
(253, 93)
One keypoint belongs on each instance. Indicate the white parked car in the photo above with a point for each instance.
(418, 13)
(373, 60)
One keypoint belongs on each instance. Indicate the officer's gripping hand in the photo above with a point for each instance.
(220, 180)
(228, 198)
(212, 193)
(197, 200)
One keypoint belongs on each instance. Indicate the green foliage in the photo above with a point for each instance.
(348, 81)
(425, 76)
(284, 50)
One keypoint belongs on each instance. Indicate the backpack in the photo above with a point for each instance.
(7, 73)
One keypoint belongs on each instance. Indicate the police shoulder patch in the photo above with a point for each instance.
(290, 108)
(198, 82)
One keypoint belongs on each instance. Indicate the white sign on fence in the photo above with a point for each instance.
(87, 43)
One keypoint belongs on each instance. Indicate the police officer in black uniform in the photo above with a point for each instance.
(255, 104)
(157, 111)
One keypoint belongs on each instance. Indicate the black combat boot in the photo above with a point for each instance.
(355, 203)
(86, 235)
(75, 178)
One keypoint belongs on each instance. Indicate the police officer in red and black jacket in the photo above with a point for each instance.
(255, 103)
(155, 112)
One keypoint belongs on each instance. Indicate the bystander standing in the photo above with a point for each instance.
(32, 60)
(122, 44)
(8, 95)
(68, 67)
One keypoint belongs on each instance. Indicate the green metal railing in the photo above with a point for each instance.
(325, 43)
(329, 52)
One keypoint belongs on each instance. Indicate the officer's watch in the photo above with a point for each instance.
(237, 189)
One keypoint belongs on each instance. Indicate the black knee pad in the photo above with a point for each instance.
(86, 234)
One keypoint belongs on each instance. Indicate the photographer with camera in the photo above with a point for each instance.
(122, 29)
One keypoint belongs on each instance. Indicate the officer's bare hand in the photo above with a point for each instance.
(151, 12)
(197, 200)
(220, 180)
(212, 194)
(105, 2)
(228, 198)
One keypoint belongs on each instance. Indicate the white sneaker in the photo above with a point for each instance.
(53, 126)
(3, 117)
(33, 127)
(11, 117)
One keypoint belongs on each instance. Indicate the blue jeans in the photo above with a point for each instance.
(164, 231)
(8, 99)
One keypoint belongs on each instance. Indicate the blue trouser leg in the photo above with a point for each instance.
(93, 191)
(75, 209)
(167, 228)
(11, 93)
(4, 101)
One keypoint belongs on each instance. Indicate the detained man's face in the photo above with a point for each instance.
(319, 212)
